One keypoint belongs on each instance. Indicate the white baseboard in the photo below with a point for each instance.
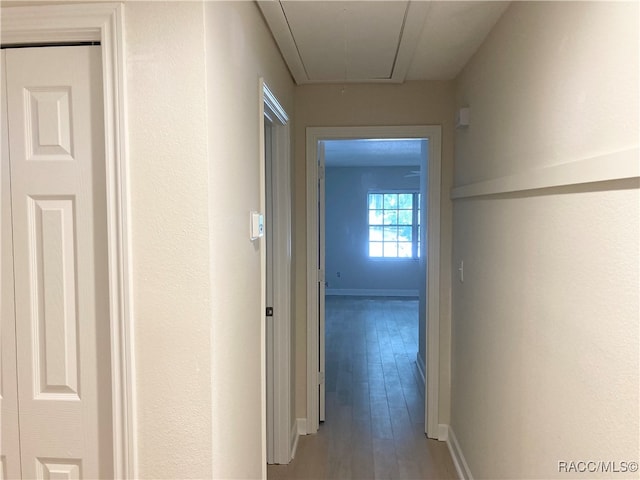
(370, 292)
(420, 364)
(293, 440)
(443, 432)
(456, 454)
(301, 424)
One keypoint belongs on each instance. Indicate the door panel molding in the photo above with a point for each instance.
(102, 23)
(313, 136)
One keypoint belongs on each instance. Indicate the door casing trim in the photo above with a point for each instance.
(434, 134)
(271, 108)
(104, 23)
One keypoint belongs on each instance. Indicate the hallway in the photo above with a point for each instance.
(374, 424)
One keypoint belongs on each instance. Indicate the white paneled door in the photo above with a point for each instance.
(59, 425)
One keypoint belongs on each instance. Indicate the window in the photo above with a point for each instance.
(394, 224)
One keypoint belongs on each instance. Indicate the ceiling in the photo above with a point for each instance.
(374, 152)
(378, 41)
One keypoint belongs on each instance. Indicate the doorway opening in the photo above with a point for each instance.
(276, 279)
(384, 241)
(374, 264)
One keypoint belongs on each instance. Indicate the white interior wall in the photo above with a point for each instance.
(167, 134)
(545, 325)
(195, 158)
(348, 267)
(239, 50)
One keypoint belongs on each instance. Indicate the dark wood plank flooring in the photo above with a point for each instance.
(374, 426)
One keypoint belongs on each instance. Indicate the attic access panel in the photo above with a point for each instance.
(352, 40)
(346, 41)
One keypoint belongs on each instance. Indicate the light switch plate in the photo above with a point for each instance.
(257, 225)
(462, 117)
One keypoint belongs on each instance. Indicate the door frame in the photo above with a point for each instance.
(434, 134)
(279, 415)
(102, 23)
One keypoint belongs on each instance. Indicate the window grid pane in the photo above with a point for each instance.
(390, 249)
(375, 249)
(405, 200)
(394, 225)
(375, 201)
(390, 200)
(405, 249)
(404, 234)
(405, 217)
(375, 234)
(376, 217)
(390, 217)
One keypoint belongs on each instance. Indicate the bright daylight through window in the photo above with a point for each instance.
(394, 224)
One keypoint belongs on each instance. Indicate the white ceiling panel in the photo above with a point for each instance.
(383, 152)
(325, 41)
(346, 40)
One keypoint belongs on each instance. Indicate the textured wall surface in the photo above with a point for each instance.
(193, 73)
(166, 83)
(240, 50)
(546, 324)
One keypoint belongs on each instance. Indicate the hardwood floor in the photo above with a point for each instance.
(374, 426)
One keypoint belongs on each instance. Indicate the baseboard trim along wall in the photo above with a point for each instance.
(420, 363)
(456, 452)
(363, 292)
(301, 424)
(610, 166)
(294, 437)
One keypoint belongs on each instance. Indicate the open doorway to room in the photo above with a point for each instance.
(374, 269)
(373, 233)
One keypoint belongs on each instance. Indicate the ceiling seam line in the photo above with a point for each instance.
(404, 23)
(304, 67)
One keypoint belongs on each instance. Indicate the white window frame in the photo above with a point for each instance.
(415, 225)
